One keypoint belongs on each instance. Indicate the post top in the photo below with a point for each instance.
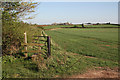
(24, 32)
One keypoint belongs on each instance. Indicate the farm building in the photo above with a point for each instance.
(67, 23)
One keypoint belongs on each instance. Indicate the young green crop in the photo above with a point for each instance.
(100, 43)
(73, 51)
(60, 26)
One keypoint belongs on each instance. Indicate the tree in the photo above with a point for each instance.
(14, 10)
(11, 13)
(82, 25)
(75, 26)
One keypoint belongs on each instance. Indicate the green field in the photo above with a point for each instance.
(59, 26)
(56, 26)
(100, 43)
(73, 51)
(107, 25)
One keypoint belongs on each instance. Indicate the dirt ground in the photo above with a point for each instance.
(101, 73)
(53, 29)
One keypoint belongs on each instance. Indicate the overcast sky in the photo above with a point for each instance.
(75, 12)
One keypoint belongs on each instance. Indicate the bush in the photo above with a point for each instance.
(12, 28)
(13, 36)
(75, 26)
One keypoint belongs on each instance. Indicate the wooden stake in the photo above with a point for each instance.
(49, 45)
(25, 40)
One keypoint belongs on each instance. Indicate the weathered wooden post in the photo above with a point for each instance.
(49, 45)
(25, 40)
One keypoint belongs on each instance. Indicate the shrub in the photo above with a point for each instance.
(12, 28)
(75, 26)
(11, 38)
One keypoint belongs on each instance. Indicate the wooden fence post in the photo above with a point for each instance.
(25, 40)
(49, 45)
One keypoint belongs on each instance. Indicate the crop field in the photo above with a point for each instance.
(73, 51)
(109, 25)
(56, 44)
(99, 43)
(56, 26)
(60, 26)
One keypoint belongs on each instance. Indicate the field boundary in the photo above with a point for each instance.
(35, 43)
(79, 27)
(90, 27)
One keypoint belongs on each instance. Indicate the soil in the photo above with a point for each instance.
(53, 29)
(101, 73)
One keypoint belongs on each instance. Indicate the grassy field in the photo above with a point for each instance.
(60, 64)
(56, 26)
(100, 43)
(74, 51)
(59, 26)
(109, 25)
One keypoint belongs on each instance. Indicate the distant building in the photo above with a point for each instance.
(87, 23)
(54, 23)
(67, 23)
